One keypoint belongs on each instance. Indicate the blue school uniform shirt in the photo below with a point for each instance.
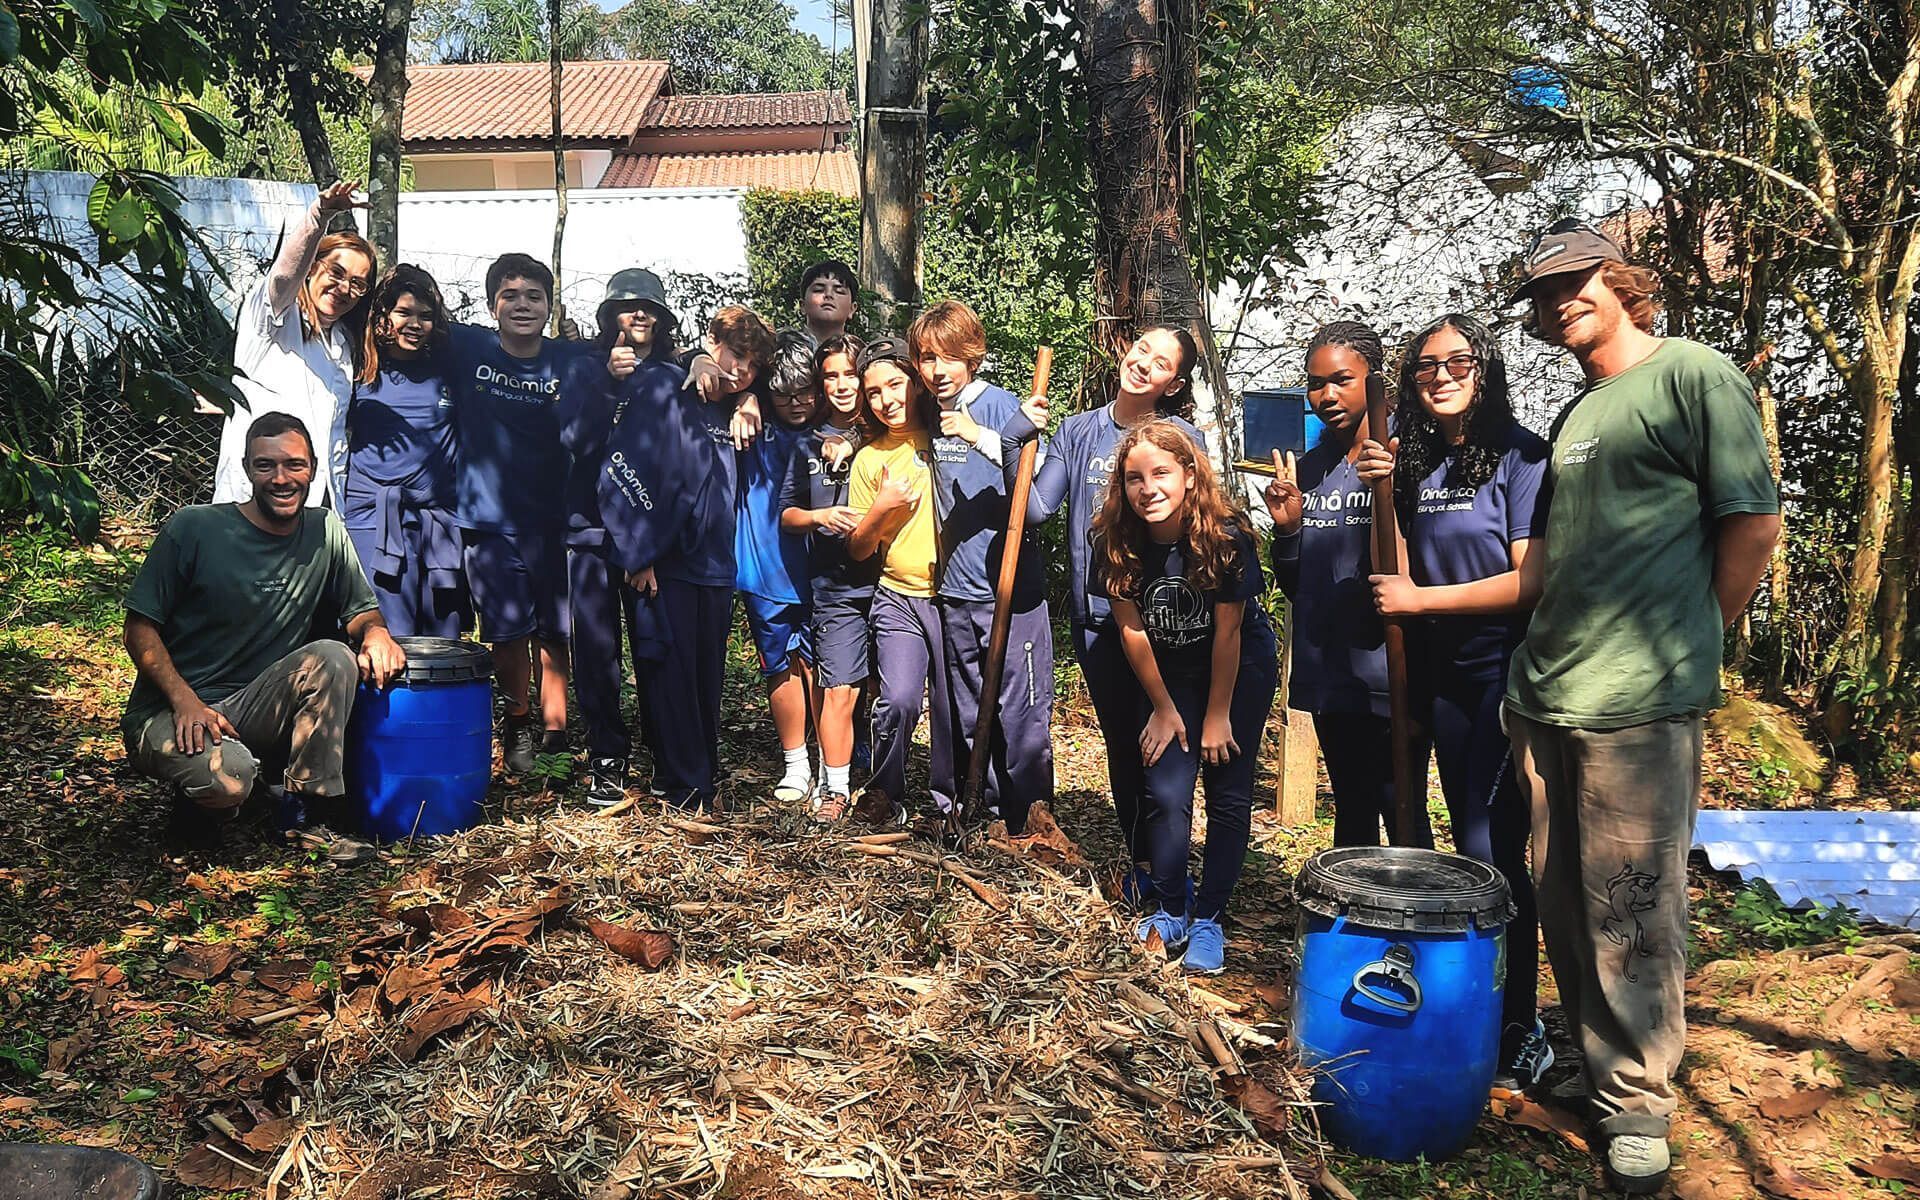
(970, 499)
(1339, 643)
(402, 461)
(586, 411)
(401, 436)
(665, 499)
(1178, 615)
(812, 483)
(770, 563)
(1075, 470)
(1460, 533)
(513, 469)
(707, 563)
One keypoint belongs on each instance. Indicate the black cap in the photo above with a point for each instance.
(886, 349)
(1563, 247)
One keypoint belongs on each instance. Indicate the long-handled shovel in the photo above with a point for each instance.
(962, 814)
(1410, 827)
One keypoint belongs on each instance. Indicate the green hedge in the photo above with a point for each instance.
(996, 272)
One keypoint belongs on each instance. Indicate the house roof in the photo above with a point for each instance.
(508, 102)
(762, 110)
(831, 170)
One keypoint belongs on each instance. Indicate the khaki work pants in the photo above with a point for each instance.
(1612, 825)
(292, 716)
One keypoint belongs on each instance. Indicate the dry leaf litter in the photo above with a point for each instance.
(642, 1005)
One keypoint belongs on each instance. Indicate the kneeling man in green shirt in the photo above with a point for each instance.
(233, 623)
(1662, 510)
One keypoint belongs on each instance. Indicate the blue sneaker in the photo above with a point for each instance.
(1206, 948)
(1172, 930)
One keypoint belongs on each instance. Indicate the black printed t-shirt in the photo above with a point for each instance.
(1177, 614)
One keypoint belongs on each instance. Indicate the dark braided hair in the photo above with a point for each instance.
(1485, 428)
(1361, 338)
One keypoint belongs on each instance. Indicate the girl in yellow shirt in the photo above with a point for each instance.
(892, 488)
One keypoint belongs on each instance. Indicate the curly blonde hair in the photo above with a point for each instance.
(1210, 521)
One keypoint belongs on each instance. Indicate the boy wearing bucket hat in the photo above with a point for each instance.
(1661, 513)
(636, 329)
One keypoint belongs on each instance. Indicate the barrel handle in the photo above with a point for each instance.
(1397, 966)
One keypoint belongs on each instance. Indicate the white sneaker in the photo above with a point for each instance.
(1637, 1163)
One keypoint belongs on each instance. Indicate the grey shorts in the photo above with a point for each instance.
(842, 635)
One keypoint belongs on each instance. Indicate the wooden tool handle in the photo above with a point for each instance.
(994, 666)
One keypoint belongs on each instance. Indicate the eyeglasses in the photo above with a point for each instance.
(1460, 366)
(335, 277)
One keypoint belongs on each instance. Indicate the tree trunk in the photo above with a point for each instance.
(389, 94)
(893, 157)
(303, 110)
(1139, 68)
(559, 158)
(1873, 384)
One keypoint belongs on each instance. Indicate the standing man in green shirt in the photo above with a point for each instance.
(230, 623)
(1662, 511)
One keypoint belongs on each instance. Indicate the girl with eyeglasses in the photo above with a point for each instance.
(297, 340)
(1466, 475)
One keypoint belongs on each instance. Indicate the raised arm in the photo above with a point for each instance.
(301, 240)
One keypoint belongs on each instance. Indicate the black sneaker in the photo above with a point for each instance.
(517, 743)
(606, 782)
(1528, 1062)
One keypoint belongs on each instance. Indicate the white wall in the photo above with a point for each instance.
(692, 231)
(1414, 233)
(239, 219)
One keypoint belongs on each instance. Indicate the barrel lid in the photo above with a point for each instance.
(1400, 888)
(445, 660)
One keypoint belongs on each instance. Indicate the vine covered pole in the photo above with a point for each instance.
(893, 155)
(559, 158)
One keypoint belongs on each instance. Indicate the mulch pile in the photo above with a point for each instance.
(635, 1005)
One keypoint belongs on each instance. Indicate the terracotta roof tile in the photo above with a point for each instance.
(508, 101)
(835, 170)
(753, 110)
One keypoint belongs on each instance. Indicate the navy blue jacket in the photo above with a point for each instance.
(664, 496)
(585, 408)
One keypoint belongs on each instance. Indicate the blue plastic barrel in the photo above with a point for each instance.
(420, 752)
(1396, 1007)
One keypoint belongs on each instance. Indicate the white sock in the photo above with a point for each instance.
(839, 779)
(796, 764)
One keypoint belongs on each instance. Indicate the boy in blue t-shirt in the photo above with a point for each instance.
(772, 563)
(948, 344)
(513, 472)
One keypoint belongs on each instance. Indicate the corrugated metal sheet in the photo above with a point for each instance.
(1869, 861)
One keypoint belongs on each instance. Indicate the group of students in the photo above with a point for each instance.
(855, 495)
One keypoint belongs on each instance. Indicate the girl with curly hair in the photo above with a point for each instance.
(1181, 571)
(1466, 475)
(1153, 379)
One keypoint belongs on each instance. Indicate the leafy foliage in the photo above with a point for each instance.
(711, 45)
(1012, 119)
(1758, 908)
(62, 318)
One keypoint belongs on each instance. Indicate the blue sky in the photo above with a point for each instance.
(816, 17)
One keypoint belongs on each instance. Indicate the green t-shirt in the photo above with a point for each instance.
(232, 599)
(1643, 464)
